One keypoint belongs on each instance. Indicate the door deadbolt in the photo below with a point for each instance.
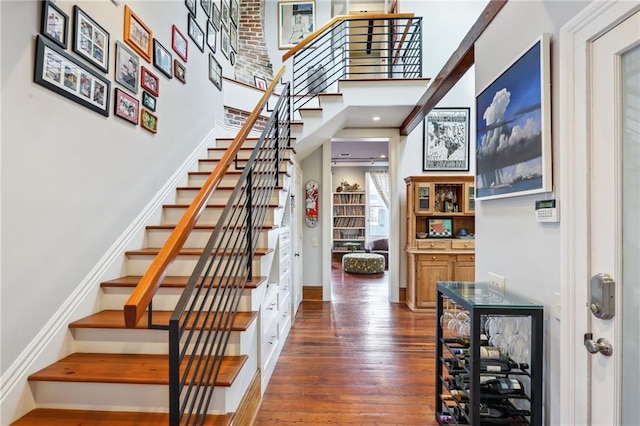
(603, 292)
(602, 345)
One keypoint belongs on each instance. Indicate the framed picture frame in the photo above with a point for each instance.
(179, 71)
(191, 6)
(54, 24)
(179, 43)
(224, 13)
(126, 106)
(195, 32)
(127, 66)
(215, 72)
(206, 6)
(296, 20)
(516, 109)
(439, 227)
(149, 121)
(162, 59)
(90, 40)
(65, 75)
(215, 16)
(224, 42)
(260, 82)
(232, 58)
(137, 34)
(149, 81)
(234, 13)
(445, 144)
(212, 35)
(148, 101)
(233, 38)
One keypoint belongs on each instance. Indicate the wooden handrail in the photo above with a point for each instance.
(396, 55)
(457, 65)
(308, 39)
(139, 300)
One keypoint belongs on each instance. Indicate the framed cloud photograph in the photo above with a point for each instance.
(296, 20)
(513, 127)
(445, 142)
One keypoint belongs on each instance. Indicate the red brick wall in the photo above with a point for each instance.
(252, 58)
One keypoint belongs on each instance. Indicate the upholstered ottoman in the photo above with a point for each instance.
(363, 263)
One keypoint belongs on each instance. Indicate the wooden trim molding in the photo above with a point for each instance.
(457, 65)
(312, 294)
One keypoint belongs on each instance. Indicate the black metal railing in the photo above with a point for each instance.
(353, 47)
(202, 322)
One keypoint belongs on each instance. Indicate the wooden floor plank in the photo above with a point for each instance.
(358, 360)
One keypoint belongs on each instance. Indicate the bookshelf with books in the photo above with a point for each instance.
(349, 221)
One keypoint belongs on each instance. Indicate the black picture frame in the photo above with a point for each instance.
(179, 71)
(127, 67)
(212, 35)
(54, 24)
(224, 42)
(195, 32)
(162, 59)
(206, 6)
(148, 101)
(215, 16)
(233, 38)
(65, 75)
(234, 13)
(191, 6)
(215, 72)
(445, 141)
(90, 40)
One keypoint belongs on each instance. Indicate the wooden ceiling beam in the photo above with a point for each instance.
(457, 65)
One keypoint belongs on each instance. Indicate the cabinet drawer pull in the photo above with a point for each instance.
(433, 258)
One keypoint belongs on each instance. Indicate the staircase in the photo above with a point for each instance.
(119, 376)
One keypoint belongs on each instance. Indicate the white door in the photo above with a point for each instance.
(296, 240)
(608, 227)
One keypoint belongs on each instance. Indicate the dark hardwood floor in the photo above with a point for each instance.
(358, 360)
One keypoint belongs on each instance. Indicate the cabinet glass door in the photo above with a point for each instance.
(423, 198)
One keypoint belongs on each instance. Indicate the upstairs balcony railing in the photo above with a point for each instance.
(367, 46)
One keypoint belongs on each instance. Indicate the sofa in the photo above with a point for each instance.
(379, 246)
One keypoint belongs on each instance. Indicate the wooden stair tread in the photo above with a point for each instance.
(55, 417)
(221, 187)
(211, 206)
(206, 227)
(191, 252)
(170, 281)
(239, 172)
(149, 369)
(246, 148)
(114, 319)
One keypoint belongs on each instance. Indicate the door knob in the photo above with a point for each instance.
(602, 345)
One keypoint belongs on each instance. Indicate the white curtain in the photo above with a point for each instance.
(380, 179)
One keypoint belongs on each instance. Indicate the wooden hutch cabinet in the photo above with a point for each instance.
(440, 235)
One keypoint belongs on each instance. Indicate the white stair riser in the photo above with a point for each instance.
(230, 180)
(137, 265)
(197, 239)
(216, 154)
(225, 143)
(220, 196)
(129, 341)
(209, 166)
(164, 300)
(211, 215)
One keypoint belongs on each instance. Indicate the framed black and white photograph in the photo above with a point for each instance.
(296, 20)
(446, 140)
(224, 42)
(196, 33)
(162, 59)
(234, 13)
(54, 23)
(224, 13)
(215, 72)
(515, 109)
(191, 5)
(65, 75)
(212, 35)
(127, 67)
(148, 100)
(90, 40)
(215, 16)
(206, 6)
(179, 43)
(233, 38)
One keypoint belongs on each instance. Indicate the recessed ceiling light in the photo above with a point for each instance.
(376, 118)
(383, 156)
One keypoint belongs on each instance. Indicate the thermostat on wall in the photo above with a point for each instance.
(547, 211)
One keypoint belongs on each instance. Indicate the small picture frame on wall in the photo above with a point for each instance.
(206, 6)
(179, 71)
(212, 35)
(149, 121)
(445, 142)
(54, 24)
(224, 42)
(149, 81)
(235, 13)
(224, 13)
(90, 40)
(260, 82)
(215, 16)
(126, 106)
(127, 66)
(137, 34)
(148, 101)
(162, 59)
(179, 43)
(196, 33)
(215, 72)
(191, 5)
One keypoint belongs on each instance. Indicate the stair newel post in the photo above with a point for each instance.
(174, 373)
(249, 223)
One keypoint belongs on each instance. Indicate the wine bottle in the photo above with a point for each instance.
(503, 386)
(500, 364)
(454, 395)
(502, 411)
(485, 352)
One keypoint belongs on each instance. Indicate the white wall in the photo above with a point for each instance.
(312, 270)
(73, 180)
(509, 241)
